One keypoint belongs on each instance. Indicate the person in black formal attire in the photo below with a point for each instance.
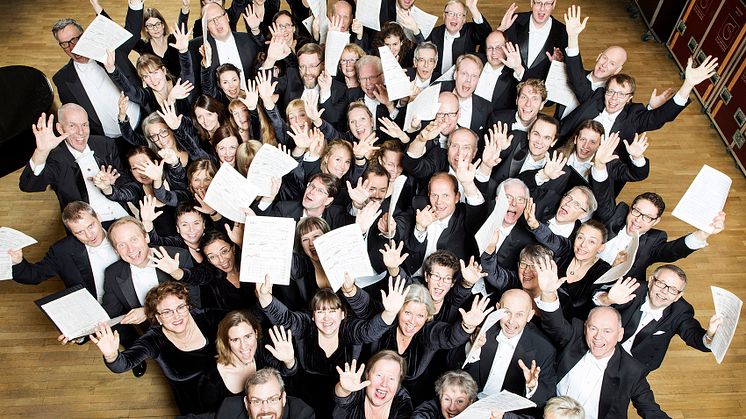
(424, 71)
(576, 205)
(530, 100)
(540, 37)
(372, 89)
(66, 162)
(455, 36)
(85, 82)
(654, 311)
(456, 391)
(156, 36)
(181, 340)
(474, 110)
(592, 368)
(233, 12)
(501, 73)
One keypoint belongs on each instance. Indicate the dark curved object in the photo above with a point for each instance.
(26, 93)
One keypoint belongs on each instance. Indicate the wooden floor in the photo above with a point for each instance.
(42, 379)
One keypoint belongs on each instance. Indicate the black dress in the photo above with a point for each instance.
(183, 369)
(353, 406)
(581, 292)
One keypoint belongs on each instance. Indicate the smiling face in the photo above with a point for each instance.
(384, 382)
(285, 26)
(206, 119)
(271, 400)
(519, 311)
(586, 143)
(453, 401)
(347, 63)
(462, 146)
(74, 122)
(360, 123)
(242, 341)
(131, 244)
(439, 282)
(454, 17)
(443, 197)
(588, 242)
(412, 317)
(529, 103)
(609, 63)
(405, 4)
(200, 182)
(617, 95)
(528, 276)
(646, 209)
(370, 77)
(378, 186)
(659, 293)
(391, 161)
(394, 44)
(306, 242)
(190, 226)
(338, 161)
(230, 84)
(139, 176)
(87, 229)
(573, 206)
(240, 116)
(466, 78)
(297, 116)
(70, 35)
(494, 48)
(221, 255)
(310, 67)
(328, 320)
(541, 138)
(541, 11)
(425, 63)
(161, 135)
(448, 113)
(603, 332)
(516, 203)
(226, 150)
(316, 196)
(169, 314)
(155, 78)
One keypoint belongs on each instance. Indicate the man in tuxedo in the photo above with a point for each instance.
(592, 368)
(501, 73)
(653, 312)
(513, 353)
(577, 204)
(540, 37)
(424, 71)
(455, 36)
(234, 13)
(68, 162)
(85, 82)
(530, 100)
(474, 110)
(372, 90)
(79, 259)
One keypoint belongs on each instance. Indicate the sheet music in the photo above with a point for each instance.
(368, 12)
(343, 250)
(425, 106)
(493, 222)
(267, 249)
(397, 82)
(11, 239)
(229, 192)
(318, 9)
(425, 21)
(395, 194)
(366, 281)
(704, 199)
(491, 320)
(620, 270)
(558, 87)
(102, 34)
(269, 162)
(76, 314)
(205, 42)
(504, 401)
(335, 45)
(728, 306)
(447, 76)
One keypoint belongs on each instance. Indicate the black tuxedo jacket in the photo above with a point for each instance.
(234, 408)
(471, 36)
(335, 215)
(518, 34)
(480, 110)
(511, 162)
(247, 44)
(652, 342)
(624, 377)
(290, 86)
(504, 94)
(67, 259)
(119, 290)
(62, 173)
(69, 87)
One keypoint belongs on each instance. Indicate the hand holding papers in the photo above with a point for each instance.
(341, 251)
(11, 240)
(229, 192)
(493, 222)
(618, 271)
(490, 321)
(558, 88)
(267, 249)
(704, 199)
(75, 312)
(424, 107)
(397, 81)
(368, 13)
(102, 35)
(269, 162)
(425, 21)
(503, 401)
(728, 307)
(335, 45)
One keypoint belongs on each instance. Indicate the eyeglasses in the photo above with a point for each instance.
(308, 67)
(517, 200)
(573, 203)
(168, 313)
(645, 217)
(215, 20)
(156, 138)
(442, 279)
(428, 61)
(668, 288)
(284, 26)
(543, 4)
(467, 76)
(495, 48)
(523, 265)
(369, 78)
(348, 61)
(612, 93)
(70, 43)
(155, 25)
(270, 401)
(454, 14)
(224, 252)
(311, 188)
(446, 114)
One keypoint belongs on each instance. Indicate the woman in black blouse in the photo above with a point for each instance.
(383, 398)
(181, 341)
(157, 40)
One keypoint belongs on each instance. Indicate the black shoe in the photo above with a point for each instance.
(140, 369)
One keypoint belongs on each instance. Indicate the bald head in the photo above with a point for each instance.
(609, 63)
(519, 310)
(603, 330)
(448, 112)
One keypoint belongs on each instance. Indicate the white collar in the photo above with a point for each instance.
(655, 313)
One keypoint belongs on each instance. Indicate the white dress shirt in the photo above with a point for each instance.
(530, 164)
(488, 80)
(448, 50)
(582, 167)
(106, 209)
(518, 125)
(583, 383)
(616, 245)
(465, 106)
(648, 315)
(500, 364)
(100, 258)
(537, 37)
(228, 53)
(143, 279)
(104, 96)
(564, 230)
(607, 120)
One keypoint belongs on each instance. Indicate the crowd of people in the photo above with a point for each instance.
(133, 149)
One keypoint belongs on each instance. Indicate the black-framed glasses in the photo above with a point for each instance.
(157, 137)
(168, 313)
(573, 203)
(442, 279)
(446, 114)
(645, 217)
(522, 266)
(612, 93)
(156, 25)
(254, 402)
(668, 288)
(70, 43)
(215, 20)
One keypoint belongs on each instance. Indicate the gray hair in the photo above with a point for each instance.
(62, 24)
(425, 45)
(368, 60)
(457, 378)
(514, 181)
(564, 407)
(264, 376)
(68, 107)
(592, 202)
(419, 294)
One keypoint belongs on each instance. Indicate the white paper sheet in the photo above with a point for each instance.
(620, 270)
(728, 306)
(343, 250)
(335, 45)
(504, 401)
(447, 76)
(558, 87)
(11, 239)
(267, 249)
(424, 107)
(395, 194)
(425, 21)
(269, 162)
(491, 320)
(704, 199)
(102, 34)
(229, 192)
(493, 222)
(368, 12)
(77, 314)
(318, 9)
(397, 82)
(366, 281)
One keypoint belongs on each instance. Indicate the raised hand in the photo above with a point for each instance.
(205, 50)
(512, 58)
(623, 291)
(605, 152)
(336, 24)
(150, 169)
(357, 28)
(253, 16)
(382, 95)
(546, 271)
(476, 315)
(299, 136)
(364, 148)
(508, 18)
(148, 213)
(325, 82)
(472, 272)
(638, 146)
(573, 24)
(318, 142)
(181, 35)
(529, 213)
(466, 170)
(122, 105)
(553, 168)
(134, 316)
(161, 260)
(430, 132)
(696, 75)
(16, 256)
(105, 179)
(106, 341)
(367, 215)
(199, 196)
(235, 233)
(350, 377)
(718, 225)
(264, 292)
(46, 140)
(425, 217)
(169, 156)
(712, 327)
(252, 95)
(266, 88)
(110, 61)
(394, 300)
(311, 104)
(282, 345)
(359, 194)
(278, 48)
(657, 100)
(406, 20)
(390, 128)
(169, 115)
(531, 375)
(387, 230)
(392, 256)
(180, 90)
